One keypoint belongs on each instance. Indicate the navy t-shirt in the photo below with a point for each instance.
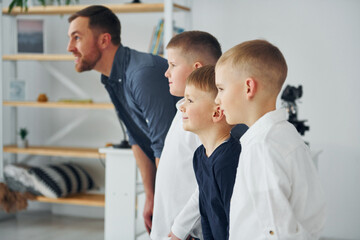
(215, 176)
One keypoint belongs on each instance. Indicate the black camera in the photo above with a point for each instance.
(290, 93)
(289, 96)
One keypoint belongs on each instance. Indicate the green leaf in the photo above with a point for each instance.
(11, 6)
(43, 3)
(24, 4)
(23, 133)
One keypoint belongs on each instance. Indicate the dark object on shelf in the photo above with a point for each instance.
(123, 144)
(136, 1)
(289, 96)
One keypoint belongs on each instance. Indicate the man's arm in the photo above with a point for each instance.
(157, 160)
(148, 171)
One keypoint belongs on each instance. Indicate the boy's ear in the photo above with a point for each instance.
(104, 40)
(251, 87)
(218, 114)
(198, 65)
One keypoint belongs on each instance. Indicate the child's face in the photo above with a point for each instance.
(231, 95)
(197, 110)
(179, 69)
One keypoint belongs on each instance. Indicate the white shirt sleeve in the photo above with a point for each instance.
(270, 181)
(189, 219)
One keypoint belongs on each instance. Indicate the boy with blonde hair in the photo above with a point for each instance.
(215, 162)
(175, 179)
(277, 192)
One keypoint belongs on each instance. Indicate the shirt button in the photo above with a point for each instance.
(147, 120)
(120, 80)
(271, 232)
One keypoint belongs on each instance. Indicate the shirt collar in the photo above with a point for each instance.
(263, 124)
(116, 69)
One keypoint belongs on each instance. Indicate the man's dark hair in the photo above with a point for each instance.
(101, 19)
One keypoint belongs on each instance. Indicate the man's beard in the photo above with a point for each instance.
(88, 63)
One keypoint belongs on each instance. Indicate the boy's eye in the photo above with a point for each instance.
(220, 89)
(76, 37)
(189, 100)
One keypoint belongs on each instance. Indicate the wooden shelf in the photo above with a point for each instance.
(56, 151)
(59, 105)
(116, 8)
(96, 200)
(38, 57)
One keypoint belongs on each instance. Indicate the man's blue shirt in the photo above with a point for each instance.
(140, 93)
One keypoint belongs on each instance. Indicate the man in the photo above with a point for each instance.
(136, 85)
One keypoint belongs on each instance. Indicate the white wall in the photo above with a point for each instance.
(321, 42)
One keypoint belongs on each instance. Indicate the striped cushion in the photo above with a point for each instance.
(59, 180)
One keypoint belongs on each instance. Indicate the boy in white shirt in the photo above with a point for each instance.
(277, 192)
(175, 178)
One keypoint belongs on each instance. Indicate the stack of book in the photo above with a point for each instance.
(157, 41)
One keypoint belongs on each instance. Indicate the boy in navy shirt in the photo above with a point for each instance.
(215, 162)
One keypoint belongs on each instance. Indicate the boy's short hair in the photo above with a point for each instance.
(258, 59)
(198, 45)
(101, 19)
(204, 79)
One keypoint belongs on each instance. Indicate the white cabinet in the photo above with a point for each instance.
(121, 195)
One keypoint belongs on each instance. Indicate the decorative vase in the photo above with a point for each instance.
(23, 143)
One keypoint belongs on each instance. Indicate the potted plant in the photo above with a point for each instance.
(23, 140)
(24, 3)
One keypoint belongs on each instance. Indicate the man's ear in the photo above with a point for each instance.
(104, 40)
(218, 114)
(197, 65)
(251, 87)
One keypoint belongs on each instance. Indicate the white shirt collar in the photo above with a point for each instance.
(263, 123)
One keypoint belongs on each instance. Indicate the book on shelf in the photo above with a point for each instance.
(157, 40)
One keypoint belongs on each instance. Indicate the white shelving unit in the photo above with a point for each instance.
(1, 106)
(167, 7)
(2, 214)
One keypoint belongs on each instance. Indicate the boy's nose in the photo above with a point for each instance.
(182, 107)
(167, 73)
(217, 99)
(180, 104)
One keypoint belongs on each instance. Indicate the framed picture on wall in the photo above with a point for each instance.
(17, 90)
(30, 36)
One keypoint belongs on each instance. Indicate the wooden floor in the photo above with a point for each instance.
(45, 226)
